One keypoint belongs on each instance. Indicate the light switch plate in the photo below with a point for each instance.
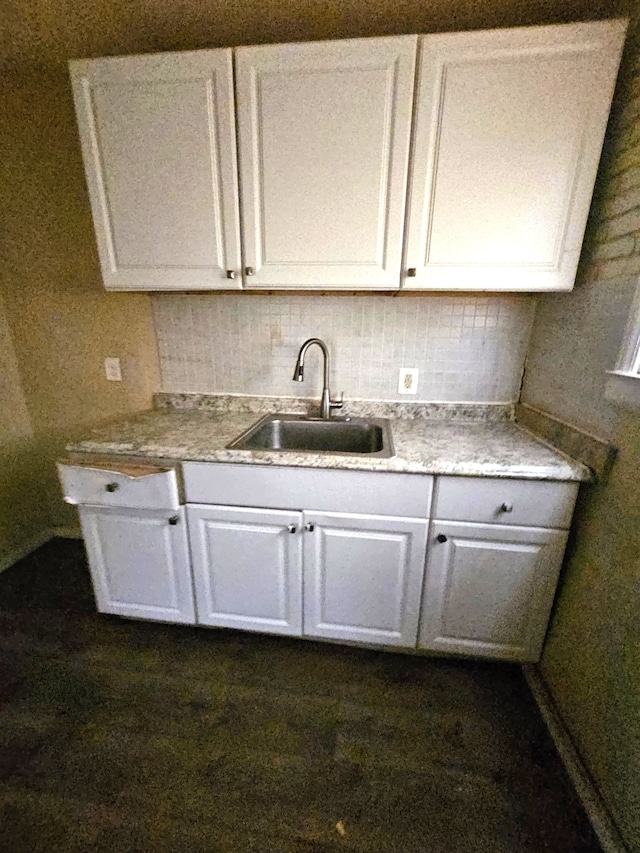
(408, 380)
(112, 369)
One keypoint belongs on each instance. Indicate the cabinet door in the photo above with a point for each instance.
(247, 568)
(508, 132)
(324, 134)
(159, 148)
(489, 589)
(139, 561)
(363, 577)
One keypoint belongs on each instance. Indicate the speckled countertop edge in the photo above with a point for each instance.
(482, 448)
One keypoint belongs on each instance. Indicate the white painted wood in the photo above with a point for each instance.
(324, 132)
(159, 148)
(508, 132)
(84, 485)
(328, 490)
(533, 503)
(489, 589)
(139, 563)
(362, 577)
(247, 568)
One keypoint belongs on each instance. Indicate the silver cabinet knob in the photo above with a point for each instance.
(249, 271)
(292, 528)
(505, 507)
(174, 519)
(112, 487)
(310, 527)
(412, 272)
(441, 537)
(231, 274)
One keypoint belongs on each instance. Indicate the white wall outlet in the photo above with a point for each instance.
(112, 369)
(408, 380)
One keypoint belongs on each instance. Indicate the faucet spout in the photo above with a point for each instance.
(326, 403)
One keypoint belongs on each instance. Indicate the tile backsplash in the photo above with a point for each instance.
(467, 348)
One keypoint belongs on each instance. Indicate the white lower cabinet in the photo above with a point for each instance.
(363, 577)
(139, 561)
(489, 588)
(493, 553)
(247, 567)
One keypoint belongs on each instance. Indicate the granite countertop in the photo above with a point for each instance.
(495, 448)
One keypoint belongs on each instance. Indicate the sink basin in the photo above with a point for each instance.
(362, 436)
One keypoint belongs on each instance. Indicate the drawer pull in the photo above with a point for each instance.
(441, 537)
(292, 528)
(112, 487)
(310, 527)
(174, 519)
(505, 507)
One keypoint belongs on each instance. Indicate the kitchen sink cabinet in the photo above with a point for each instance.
(139, 560)
(483, 183)
(445, 564)
(363, 577)
(326, 572)
(359, 576)
(247, 568)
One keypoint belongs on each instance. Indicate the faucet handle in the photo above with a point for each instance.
(337, 404)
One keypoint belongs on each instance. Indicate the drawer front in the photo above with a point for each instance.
(153, 488)
(377, 493)
(531, 503)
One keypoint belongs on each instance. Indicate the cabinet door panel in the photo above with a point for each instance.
(508, 134)
(247, 568)
(158, 140)
(363, 576)
(139, 563)
(324, 139)
(489, 588)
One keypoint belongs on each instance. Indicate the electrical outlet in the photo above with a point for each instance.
(408, 380)
(112, 369)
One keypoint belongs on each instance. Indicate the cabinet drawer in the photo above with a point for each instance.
(126, 485)
(523, 502)
(378, 493)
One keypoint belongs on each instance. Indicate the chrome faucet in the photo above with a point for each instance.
(326, 403)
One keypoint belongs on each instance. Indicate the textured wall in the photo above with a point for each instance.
(62, 322)
(22, 513)
(576, 336)
(467, 348)
(592, 657)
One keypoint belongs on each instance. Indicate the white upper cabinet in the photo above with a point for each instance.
(483, 182)
(508, 132)
(159, 148)
(324, 131)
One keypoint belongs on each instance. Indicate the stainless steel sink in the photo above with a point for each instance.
(362, 436)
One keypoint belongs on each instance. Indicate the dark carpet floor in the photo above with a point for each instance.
(132, 736)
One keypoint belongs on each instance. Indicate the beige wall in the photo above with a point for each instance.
(592, 657)
(23, 514)
(63, 324)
